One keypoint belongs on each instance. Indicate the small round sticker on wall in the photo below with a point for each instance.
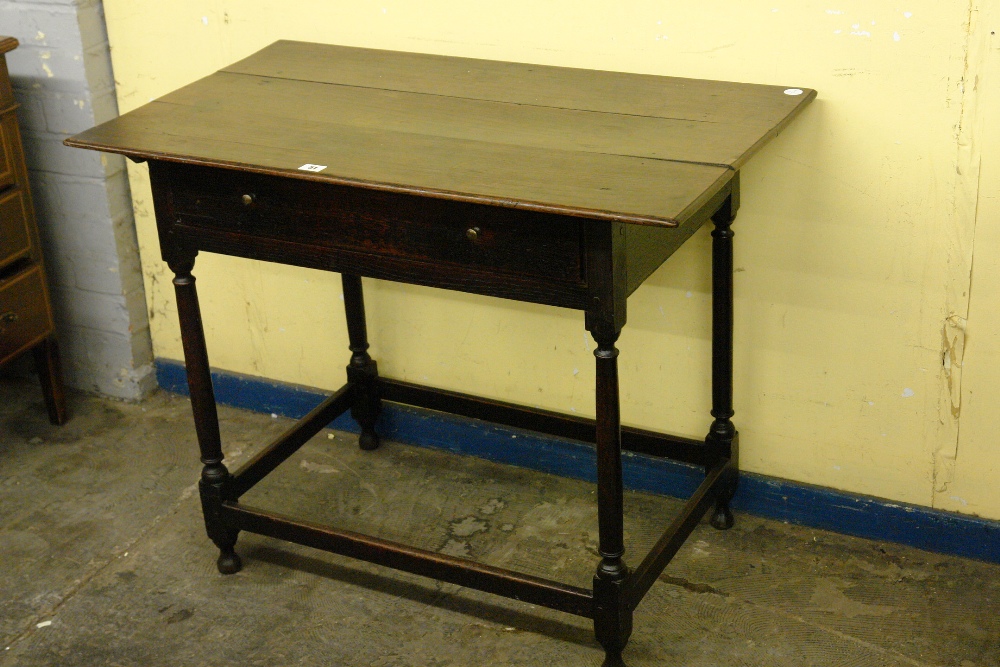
(793, 91)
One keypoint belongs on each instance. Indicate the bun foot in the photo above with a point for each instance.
(613, 659)
(229, 562)
(369, 440)
(722, 517)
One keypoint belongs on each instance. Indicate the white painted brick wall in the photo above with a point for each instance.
(62, 78)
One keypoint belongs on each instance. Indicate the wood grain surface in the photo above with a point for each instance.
(606, 145)
(7, 43)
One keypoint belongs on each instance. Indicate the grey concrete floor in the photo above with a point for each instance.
(104, 561)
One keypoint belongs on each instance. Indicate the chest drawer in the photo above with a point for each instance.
(6, 90)
(24, 316)
(6, 158)
(388, 227)
(14, 238)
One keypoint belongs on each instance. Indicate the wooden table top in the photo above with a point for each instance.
(609, 145)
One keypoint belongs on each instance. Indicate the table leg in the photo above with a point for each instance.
(215, 476)
(49, 372)
(362, 371)
(612, 616)
(722, 436)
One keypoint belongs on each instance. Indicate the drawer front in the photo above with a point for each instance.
(401, 228)
(14, 238)
(24, 316)
(6, 151)
(6, 91)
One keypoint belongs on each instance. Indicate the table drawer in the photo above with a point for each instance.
(14, 238)
(397, 227)
(6, 149)
(24, 317)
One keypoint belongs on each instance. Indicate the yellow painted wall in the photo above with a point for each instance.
(970, 480)
(854, 244)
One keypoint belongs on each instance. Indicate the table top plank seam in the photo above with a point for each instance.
(509, 81)
(437, 193)
(473, 98)
(674, 138)
(537, 126)
(484, 142)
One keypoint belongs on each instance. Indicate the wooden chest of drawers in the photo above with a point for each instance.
(25, 307)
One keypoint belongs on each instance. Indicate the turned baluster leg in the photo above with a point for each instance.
(612, 616)
(722, 436)
(362, 372)
(214, 476)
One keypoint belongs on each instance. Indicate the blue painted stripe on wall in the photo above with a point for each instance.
(819, 507)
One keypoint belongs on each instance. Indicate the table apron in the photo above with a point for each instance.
(456, 245)
(383, 267)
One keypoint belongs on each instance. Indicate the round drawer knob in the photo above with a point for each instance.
(472, 233)
(248, 200)
(7, 319)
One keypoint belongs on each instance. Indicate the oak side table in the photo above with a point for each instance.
(550, 185)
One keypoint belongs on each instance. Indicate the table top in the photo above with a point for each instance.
(607, 145)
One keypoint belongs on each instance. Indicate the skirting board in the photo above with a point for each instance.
(773, 498)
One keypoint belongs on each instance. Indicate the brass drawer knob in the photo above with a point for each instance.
(7, 319)
(472, 233)
(248, 199)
